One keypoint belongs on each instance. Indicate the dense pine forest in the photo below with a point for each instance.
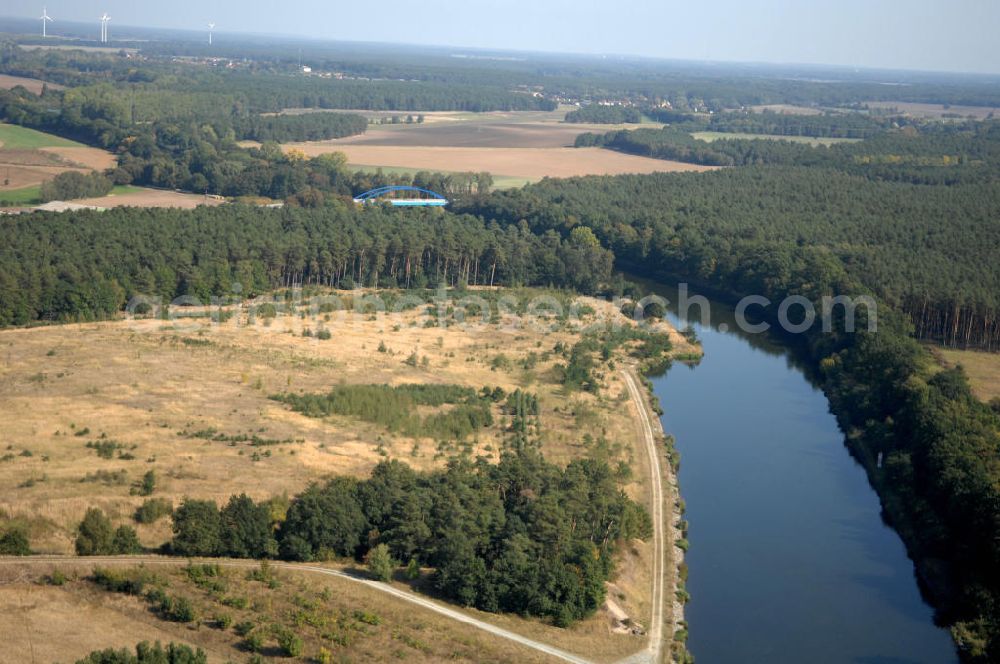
(88, 265)
(912, 215)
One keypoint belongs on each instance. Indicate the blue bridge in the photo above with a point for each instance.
(401, 196)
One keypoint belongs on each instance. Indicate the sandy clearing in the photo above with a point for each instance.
(31, 84)
(534, 163)
(157, 198)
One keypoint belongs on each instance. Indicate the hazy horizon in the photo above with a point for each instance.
(876, 34)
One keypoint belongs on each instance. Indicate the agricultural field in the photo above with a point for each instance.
(32, 85)
(515, 147)
(982, 368)
(710, 136)
(528, 164)
(28, 158)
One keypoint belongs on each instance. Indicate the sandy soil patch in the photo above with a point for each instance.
(31, 84)
(533, 163)
(152, 198)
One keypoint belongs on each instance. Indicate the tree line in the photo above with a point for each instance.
(603, 114)
(88, 264)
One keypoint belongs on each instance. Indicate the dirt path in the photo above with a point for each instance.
(404, 595)
(655, 647)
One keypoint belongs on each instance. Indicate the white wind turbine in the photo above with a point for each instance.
(45, 18)
(104, 27)
(211, 26)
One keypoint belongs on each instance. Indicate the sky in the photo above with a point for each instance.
(942, 35)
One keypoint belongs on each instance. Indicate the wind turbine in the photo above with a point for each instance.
(45, 18)
(104, 28)
(211, 26)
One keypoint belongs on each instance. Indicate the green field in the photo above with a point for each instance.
(14, 137)
(710, 136)
(499, 181)
(19, 197)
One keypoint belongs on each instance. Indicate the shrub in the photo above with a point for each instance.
(380, 563)
(56, 578)
(244, 628)
(96, 535)
(148, 484)
(153, 509)
(180, 610)
(290, 643)
(175, 653)
(14, 542)
(254, 642)
(126, 541)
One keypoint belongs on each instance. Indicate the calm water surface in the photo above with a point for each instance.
(790, 560)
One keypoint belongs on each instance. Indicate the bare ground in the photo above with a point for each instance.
(152, 198)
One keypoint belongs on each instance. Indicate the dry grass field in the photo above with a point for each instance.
(151, 385)
(155, 387)
(63, 623)
(983, 369)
